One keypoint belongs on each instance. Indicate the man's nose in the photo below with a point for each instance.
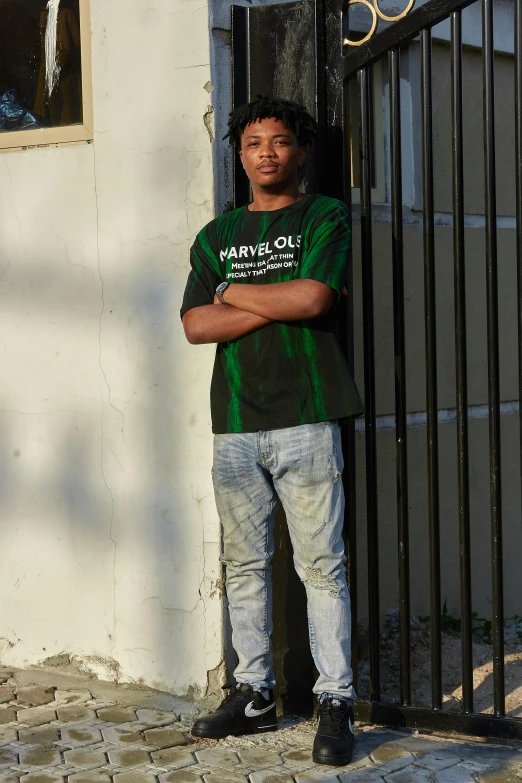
(266, 151)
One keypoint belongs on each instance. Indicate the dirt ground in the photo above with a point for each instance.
(451, 669)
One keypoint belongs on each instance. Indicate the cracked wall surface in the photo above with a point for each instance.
(110, 537)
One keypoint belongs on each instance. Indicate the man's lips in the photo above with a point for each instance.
(268, 167)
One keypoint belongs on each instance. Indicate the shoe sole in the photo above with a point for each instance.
(332, 761)
(220, 733)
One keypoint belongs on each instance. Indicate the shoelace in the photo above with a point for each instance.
(234, 695)
(332, 717)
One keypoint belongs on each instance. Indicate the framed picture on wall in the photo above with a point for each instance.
(45, 72)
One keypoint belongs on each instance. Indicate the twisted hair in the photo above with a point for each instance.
(293, 116)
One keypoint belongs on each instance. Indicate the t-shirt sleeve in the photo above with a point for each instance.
(326, 247)
(205, 274)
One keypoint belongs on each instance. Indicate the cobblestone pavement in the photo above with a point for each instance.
(53, 735)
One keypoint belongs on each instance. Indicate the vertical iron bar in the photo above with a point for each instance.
(518, 178)
(349, 475)
(400, 374)
(431, 368)
(493, 359)
(240, 92)
(369, 385)
(461, 362)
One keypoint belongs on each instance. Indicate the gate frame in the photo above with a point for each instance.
(357, 61)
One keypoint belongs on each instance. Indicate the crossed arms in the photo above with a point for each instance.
(250, 307)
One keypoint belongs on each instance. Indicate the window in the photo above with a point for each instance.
(45, 72)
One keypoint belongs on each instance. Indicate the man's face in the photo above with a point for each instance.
(270, 154)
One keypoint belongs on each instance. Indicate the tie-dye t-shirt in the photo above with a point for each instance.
(287, 373)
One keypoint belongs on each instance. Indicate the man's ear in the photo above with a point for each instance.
(240, 151)
(302, 152)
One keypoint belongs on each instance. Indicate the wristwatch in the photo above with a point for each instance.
(220, 290)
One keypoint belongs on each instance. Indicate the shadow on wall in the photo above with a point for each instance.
(105, 490)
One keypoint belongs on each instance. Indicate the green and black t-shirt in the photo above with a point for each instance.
(287, 373)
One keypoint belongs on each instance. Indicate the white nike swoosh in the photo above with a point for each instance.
(251, 712)
(351, 726)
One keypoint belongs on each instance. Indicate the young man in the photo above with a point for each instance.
(265, 283)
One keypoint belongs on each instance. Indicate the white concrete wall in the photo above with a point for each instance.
(109, 535)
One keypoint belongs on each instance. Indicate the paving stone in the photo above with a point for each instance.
(259, 757)
(499, 776)
(39, 735)
(474, 766)
(180, 776)
(40, 757)
(369, 741)
(7, 735)
(454, 775)
(135, 776)
(35, 716)
(360, 776)
(7, 758)
(129, 757)
(301, 758)
(75, 712)
(6, 694)
(420, 743)
(85, 758)
(224, 776)
(34, 695)
(125, 733)
(165, 738)
(391, 754)
(116, 714)
(41, 777)
(271, 776)
(316, 776)
(487, 753)
(217, 757)
(7, 716)
(361, 763)
(81, 735)
(173, 757)
(156, 717)
(89, 777)
(435, 761)
(409, 775)
(72, 697)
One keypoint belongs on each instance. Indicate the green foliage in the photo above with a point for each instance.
(447, 621)
(481, 627)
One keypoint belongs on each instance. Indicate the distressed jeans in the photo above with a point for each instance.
(303, 466)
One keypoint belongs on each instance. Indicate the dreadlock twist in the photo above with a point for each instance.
(293, 116)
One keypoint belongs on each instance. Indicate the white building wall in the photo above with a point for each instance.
(109, 535)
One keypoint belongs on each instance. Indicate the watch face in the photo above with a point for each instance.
(221, 287)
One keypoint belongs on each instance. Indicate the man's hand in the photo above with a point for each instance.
(294, 300)
(211, 324)
(228, 321)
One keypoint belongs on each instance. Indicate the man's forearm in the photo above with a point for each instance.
(218, 323)
(293, 300)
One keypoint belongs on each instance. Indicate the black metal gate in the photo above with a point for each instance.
(331, 72)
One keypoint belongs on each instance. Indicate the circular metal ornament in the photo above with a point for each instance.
(394, 18)
(373, 10)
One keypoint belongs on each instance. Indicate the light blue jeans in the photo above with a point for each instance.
(303, 465)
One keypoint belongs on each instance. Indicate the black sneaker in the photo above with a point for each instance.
(333, 742)
(243, 711)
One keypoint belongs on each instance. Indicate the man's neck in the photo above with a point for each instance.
(266, 201)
